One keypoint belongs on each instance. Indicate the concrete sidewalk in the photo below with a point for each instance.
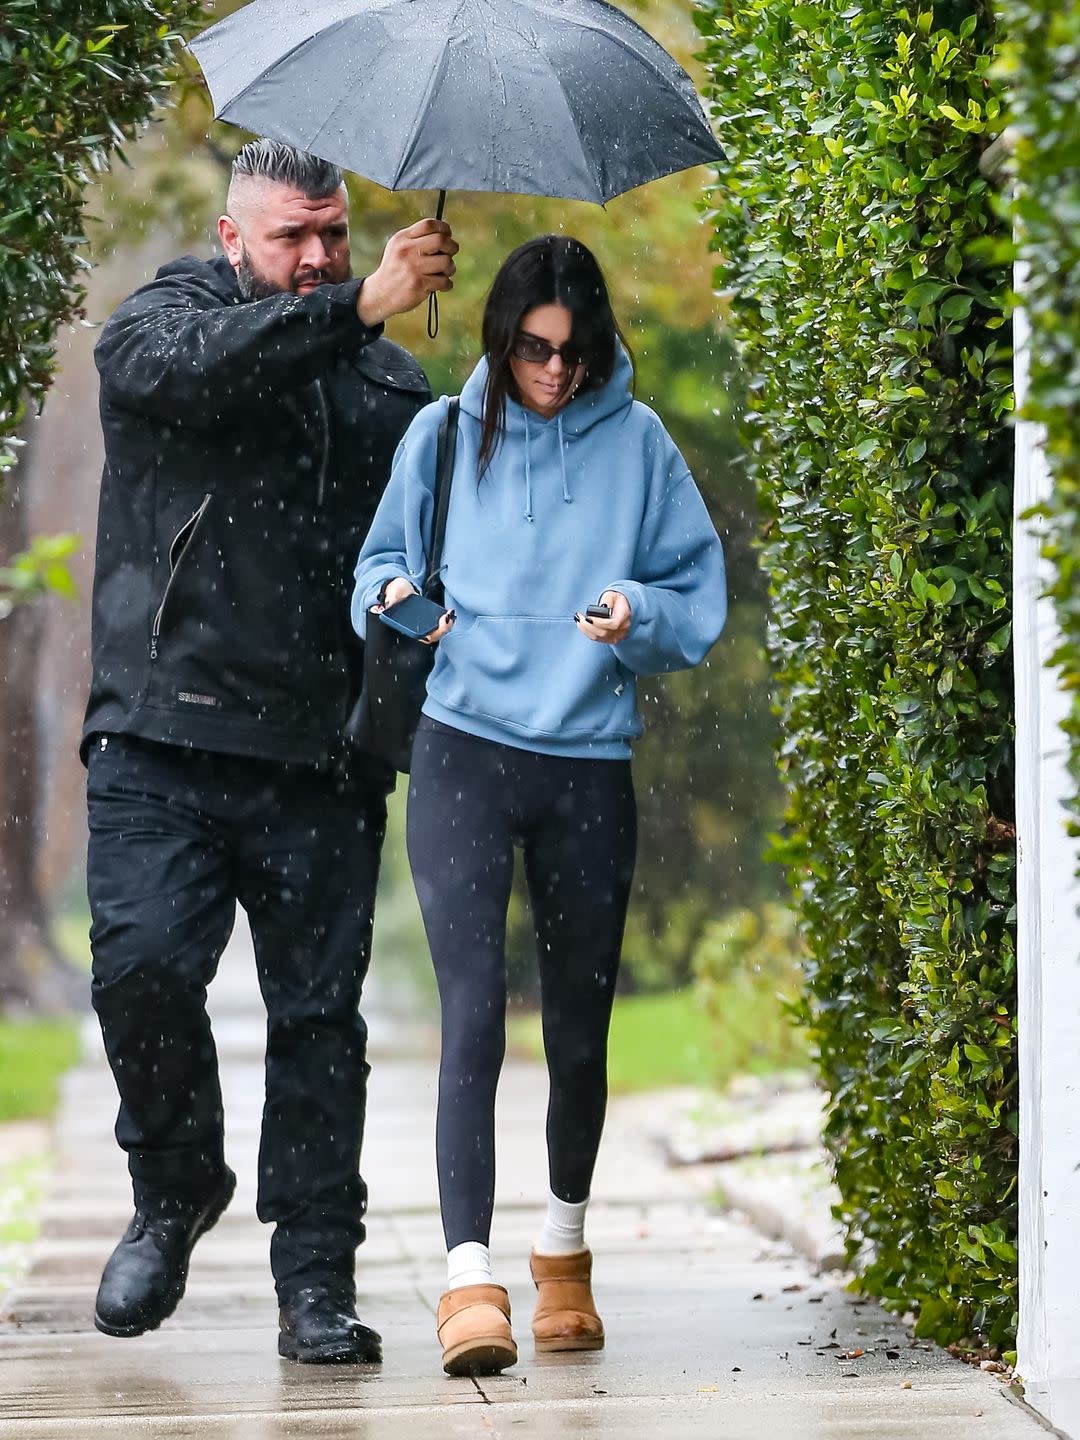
(711, 1331)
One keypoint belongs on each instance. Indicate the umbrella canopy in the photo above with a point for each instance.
(566, 98)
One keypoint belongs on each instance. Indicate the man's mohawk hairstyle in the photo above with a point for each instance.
(285, 165)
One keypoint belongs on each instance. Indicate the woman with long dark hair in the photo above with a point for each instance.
(565, 489)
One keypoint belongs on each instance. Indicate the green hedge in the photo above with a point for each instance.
(859, 239)
(1040, 60)
(76, 82)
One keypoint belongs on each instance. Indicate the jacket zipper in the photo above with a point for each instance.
(181, 544)
(324, 416)
(320, 501)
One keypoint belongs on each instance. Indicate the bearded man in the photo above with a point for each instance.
(251, 409)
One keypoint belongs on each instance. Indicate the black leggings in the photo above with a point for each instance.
(470, 802)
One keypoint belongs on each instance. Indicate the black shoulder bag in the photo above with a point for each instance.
(396, 668)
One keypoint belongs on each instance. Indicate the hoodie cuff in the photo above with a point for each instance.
(632, 593)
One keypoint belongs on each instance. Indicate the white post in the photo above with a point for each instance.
(1048, 963)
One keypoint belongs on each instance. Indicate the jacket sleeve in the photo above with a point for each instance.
(175, 351)
(678, 590)
(396, 544)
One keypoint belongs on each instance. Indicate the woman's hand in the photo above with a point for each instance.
(445, 625)
(393, 591)
(608, 632)
(401, 589)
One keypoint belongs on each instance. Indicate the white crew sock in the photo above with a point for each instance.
(563, 1232)
(468, 1264)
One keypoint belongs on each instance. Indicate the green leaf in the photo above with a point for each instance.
(924, 294)
(957, 307)
(915, 450)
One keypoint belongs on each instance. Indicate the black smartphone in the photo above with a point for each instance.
(598, 612)
(415, 616)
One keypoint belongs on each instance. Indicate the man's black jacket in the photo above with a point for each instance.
(246, 447)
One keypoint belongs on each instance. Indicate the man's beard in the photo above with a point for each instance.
(255, 286)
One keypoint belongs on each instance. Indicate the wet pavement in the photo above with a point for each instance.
(711, 1331)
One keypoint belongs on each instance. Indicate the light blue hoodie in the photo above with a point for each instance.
(596, 499)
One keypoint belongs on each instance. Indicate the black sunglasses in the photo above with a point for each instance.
(535, 351)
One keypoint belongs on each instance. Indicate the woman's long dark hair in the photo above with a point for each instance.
(550, 270)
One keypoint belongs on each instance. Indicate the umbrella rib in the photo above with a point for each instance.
(619, 39)
(425, 99)
(261, 76)
(585, 163)
(633, 50)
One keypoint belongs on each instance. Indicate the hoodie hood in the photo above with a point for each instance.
(524, 426)
(582, 413)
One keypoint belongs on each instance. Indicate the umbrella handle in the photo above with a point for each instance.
(433, 298)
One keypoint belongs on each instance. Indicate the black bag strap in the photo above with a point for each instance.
(444, 476)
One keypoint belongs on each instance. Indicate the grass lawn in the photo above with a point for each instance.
(663, 1040)
(35, 1053)
(33, 1056)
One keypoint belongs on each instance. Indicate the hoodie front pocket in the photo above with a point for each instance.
(537, 674)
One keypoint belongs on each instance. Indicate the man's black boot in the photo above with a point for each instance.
(145, 1276)
(320, 1327)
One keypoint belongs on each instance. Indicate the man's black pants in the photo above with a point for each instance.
(177, 837)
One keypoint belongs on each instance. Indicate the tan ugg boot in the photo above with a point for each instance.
(565, 1317)
(474, 1330)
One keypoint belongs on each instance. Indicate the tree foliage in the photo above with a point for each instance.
(859, 238)
(1040, 63)
(76, 83)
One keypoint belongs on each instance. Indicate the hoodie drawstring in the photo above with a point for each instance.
(528, 471)
(562, 461)
(567, 497)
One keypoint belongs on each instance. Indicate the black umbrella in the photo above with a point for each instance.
(565, 98)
